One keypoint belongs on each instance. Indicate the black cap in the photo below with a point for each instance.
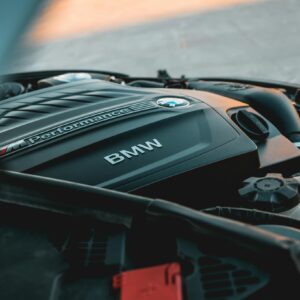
(272, 193)
(252, 124)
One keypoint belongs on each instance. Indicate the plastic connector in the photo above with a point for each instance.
(156, 283)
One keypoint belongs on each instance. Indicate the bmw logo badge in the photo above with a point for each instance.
(172, 102)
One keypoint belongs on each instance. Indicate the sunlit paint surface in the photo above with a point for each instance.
(65, 18)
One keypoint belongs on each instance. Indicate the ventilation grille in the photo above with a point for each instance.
(228, 278)
(94, 250)
(88, 249)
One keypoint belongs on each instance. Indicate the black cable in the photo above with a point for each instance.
(252, 216)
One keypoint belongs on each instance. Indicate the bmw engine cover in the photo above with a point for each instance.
(150, 141)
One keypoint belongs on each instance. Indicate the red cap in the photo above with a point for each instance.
(154, 283)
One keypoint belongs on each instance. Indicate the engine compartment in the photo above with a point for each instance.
(153, 141)
(63, 240)
(212, 145)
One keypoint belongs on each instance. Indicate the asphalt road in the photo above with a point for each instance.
(257, 40)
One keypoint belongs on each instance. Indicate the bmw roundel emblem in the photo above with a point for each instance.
(172, 102)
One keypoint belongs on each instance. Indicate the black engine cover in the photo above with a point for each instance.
(100, 133)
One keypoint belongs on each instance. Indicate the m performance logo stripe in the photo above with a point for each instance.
(74, 126)
(3, 150)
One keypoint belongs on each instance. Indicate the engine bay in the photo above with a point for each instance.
(153, 137)
(86, 157)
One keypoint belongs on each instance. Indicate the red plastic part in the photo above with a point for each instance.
(154, 283)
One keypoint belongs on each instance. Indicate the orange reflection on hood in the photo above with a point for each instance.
(64, 18)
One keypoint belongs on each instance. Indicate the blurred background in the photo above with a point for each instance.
(253, 38)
